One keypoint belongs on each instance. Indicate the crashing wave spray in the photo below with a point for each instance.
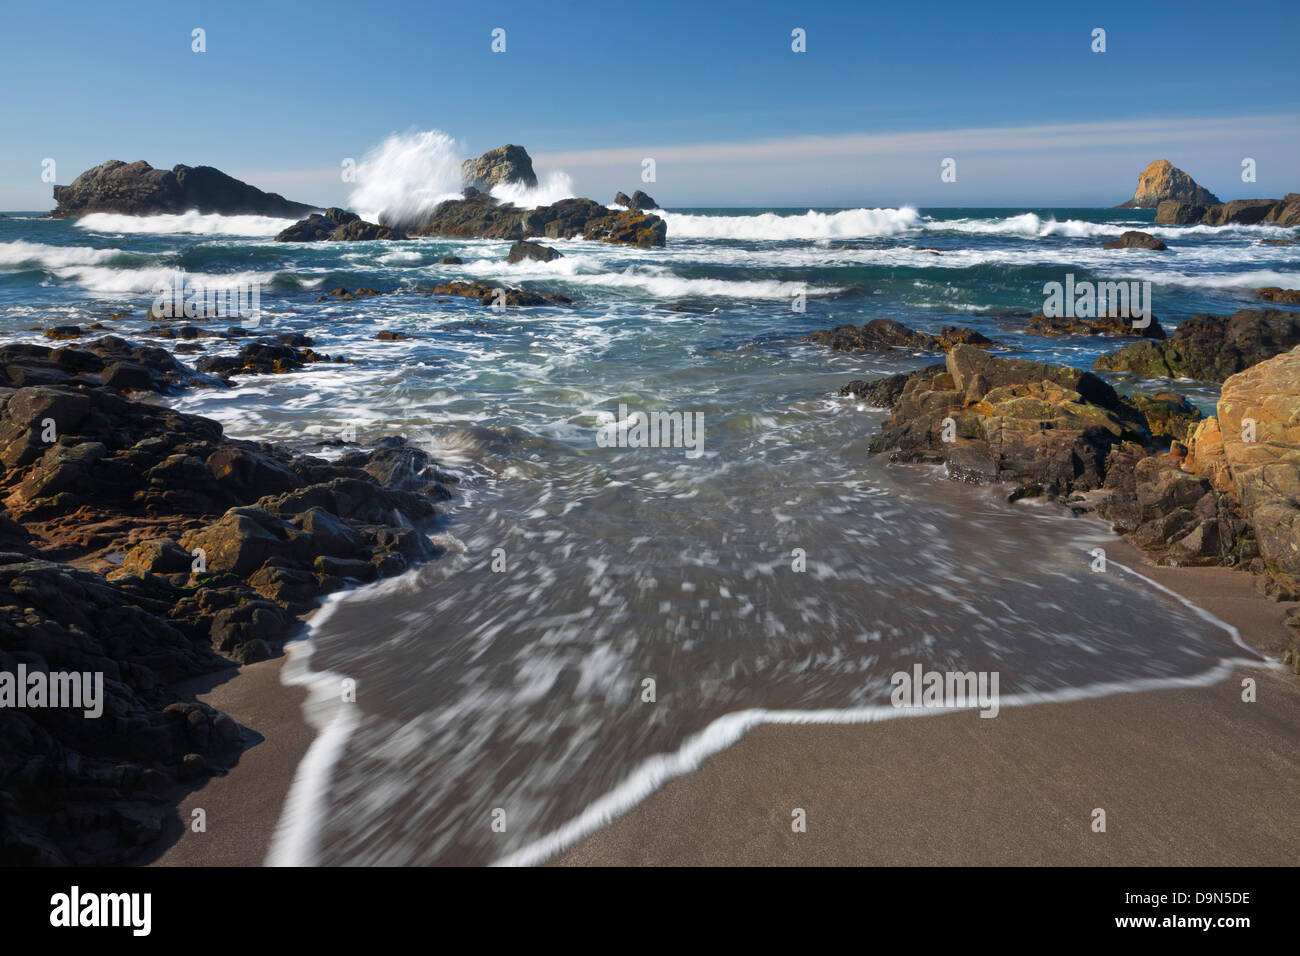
(404, 177)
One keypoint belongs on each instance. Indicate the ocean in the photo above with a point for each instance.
(607, 616)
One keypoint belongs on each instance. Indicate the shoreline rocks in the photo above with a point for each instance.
(1209, 347)
(137, 189)
(140, 543)
(880, 334)
(1132, 239)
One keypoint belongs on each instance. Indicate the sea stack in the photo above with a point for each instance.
(498, 167)
(1163, 180)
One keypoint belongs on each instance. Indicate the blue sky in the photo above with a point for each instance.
(713, 92)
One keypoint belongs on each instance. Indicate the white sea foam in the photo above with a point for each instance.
(185, 223)
(1030, 226)
(552, 187)
(406, 175)
(20, 253)
(846, 224)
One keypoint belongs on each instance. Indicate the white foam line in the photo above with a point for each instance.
(296, 840)
(725, 731)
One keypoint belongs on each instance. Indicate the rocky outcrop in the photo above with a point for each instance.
(1109, 324)
(137, 189)
(478, 215)
(1259, 428)
(1245, 212)
(1047, 428)
(879, 334)
(1209, 347)
(498, 167)
(1275, 294)
(522, 250)
(110, 362)
(1161, 181)
(290, 352)
(1132, 239)
(499, 295)
(337, 225)
(140, 543)
(638, 200)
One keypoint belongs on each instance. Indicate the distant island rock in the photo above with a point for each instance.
(499, 167)
(638, 200)
(1244, 212)
(1163, 180)
(137, 189)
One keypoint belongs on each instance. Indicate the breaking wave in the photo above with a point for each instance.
(848, 224)
(185, 223)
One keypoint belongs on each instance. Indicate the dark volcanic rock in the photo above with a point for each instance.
(1209, 347)
(1280, 212)
(138, 189)
(1102, 325)
(483, 217)
(489, 295)
(336, 225)
(111, 361)
(219, 545)
(497, 167)
(1135, 240)
(887, 334)
(522, 250)
(264, 357)
(638, 200)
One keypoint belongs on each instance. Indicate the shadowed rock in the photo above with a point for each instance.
(1209, 347)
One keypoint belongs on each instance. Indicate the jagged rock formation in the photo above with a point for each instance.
(137, 189)
(1209, 347)
(638, 200)
(480, 216)
(496, 167)
(1163, 180)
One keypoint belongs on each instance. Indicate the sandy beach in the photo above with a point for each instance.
(1186, 777)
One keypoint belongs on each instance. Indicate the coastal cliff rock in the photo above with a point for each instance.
(140, 543)
(496, 167)
(1259, 427)
(336, 225)
(137, 189)
(887, 334)
(1162, 180)
(1245, 212)
(1209, 347)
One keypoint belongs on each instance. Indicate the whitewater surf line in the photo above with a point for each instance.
(297, 834)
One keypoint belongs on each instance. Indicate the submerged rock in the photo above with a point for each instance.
(137, 189)
(887, 334)
(1109, 324)
(1132, 239)
(1209, 347)
(522, 250)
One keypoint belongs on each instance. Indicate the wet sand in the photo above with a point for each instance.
(1186, 777)
(243, 807)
